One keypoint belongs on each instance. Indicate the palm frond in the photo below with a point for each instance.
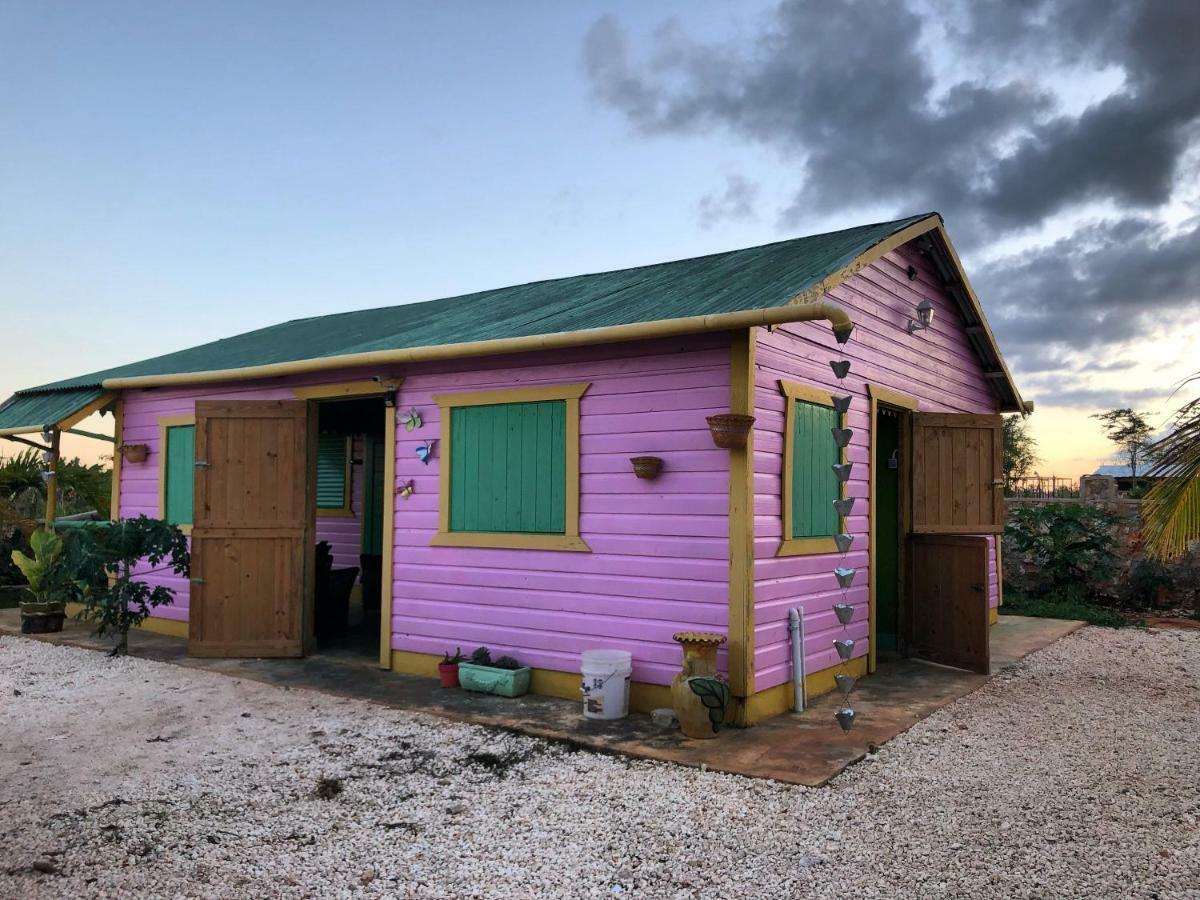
(1171, 510)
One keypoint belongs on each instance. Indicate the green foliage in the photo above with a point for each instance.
(1017, 603)
(1130, 431)
(12, 539)
(81, 487)
(448, 660)
(714, 694)
(1020, 448)
(481, 656)
(507, 662)
(1069, 546)
(1172, 507)
(102, 559)
(47, 570)
(1146, 576)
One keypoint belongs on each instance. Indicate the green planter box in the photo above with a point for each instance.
(486, 680)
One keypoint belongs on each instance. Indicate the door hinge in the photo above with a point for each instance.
(201, 464)
(196, 580)
(977, 587)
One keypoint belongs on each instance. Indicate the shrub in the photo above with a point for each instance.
(1069, 549)
(1146, 576)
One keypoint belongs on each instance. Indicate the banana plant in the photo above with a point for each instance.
(45, 572)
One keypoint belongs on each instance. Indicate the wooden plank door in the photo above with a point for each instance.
(957, 474)
(947, 601)
(252, 534)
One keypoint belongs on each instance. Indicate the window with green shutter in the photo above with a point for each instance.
(333, 474)
(809, 484)
(178, 472)
(509, 468)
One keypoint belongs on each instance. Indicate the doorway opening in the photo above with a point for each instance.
(348, 576)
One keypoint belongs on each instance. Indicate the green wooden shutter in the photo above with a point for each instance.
(179, 483)
(508, 467)
(331, 471)
(814, 486)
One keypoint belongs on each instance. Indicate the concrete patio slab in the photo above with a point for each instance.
(799, 748)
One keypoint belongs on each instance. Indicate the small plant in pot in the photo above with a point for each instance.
(504, 677)
(448, 668)
(49, 581)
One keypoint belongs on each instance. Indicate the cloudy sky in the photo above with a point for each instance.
(175, 173)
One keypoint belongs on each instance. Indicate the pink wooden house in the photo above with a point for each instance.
(470, 457)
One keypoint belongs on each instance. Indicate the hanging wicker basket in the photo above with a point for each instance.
(135, 453)
(730, 430)
(647, 467)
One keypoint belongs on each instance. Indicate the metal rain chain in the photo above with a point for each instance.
(844, 574)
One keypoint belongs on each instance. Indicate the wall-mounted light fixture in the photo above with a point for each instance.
(911, 272)
(924, 317)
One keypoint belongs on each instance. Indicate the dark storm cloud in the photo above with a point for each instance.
(849, 95)
(736, 201)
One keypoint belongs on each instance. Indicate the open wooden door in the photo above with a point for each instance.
(957, 474)
(948, 618)
(252, 538)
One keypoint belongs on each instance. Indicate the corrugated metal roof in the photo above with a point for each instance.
(739, 281)
(30, 412)
(757, 278)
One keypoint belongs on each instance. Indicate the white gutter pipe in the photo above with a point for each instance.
(796, 631)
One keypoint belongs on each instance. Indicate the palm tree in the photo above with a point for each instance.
(1172, 507)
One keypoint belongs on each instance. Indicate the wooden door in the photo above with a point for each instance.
(947, 601)
(252, 535)
(957, 477)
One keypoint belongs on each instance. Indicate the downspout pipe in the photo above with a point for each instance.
(796, 632)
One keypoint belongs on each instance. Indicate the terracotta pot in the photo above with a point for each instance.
(699, 662)
(730, 430)
(646, 466)
(135, 453)
(448, 673)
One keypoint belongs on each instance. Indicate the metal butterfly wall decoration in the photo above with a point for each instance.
(406, 489)
(411, 420)
(425, 451)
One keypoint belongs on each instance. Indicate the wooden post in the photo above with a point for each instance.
(52, 484)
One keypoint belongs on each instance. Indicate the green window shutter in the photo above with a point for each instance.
(181, 473)
(814, 486)
(331, 471)
(508, 467)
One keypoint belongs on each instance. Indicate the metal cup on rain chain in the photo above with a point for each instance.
(841, 436)
(842, 471)
(841, 367)
(843, 542)
(845, 717)
(845, 647)
(844, 612)
(845, 683)
(845, 577)
(841, 403)
(843, 505)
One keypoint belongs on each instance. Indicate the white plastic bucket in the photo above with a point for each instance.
(606, 675)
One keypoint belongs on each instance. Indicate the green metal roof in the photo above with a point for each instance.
(737, 281)
(31, 412)
(756, 278)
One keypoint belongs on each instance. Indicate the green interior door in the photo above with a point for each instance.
(887, 529)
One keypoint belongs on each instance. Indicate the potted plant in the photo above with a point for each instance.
(48, 580)
(448, 668)
(504, 677)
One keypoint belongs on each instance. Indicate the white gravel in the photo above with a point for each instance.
(1074, 774)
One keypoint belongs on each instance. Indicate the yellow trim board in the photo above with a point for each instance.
(993, 616)
(806, 546)
(569, 540)
(79, 415)
(164, 424)
(388, 499)
(999, 573)
(643, 697)
(114, 511)
(344, 390)
(742, 363)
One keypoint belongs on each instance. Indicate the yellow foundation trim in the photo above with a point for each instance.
(547, 682)
(993, 616)
(777, 700)
(155, 624)
(741, 519)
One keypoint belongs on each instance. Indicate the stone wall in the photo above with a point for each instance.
(1135, 580)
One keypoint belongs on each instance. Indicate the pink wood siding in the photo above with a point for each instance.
(937, 366)
(659, 560)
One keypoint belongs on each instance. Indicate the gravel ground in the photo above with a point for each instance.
(1071, 775)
